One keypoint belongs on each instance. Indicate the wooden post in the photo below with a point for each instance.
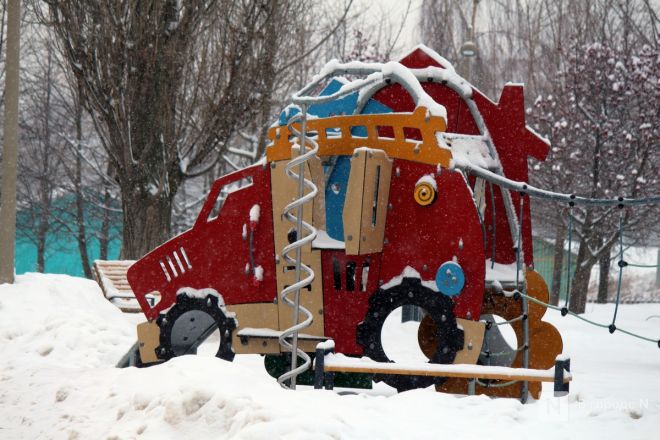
(319, 372)
(10, 148)
(562, 365)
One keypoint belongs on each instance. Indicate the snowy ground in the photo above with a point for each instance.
(59, 340)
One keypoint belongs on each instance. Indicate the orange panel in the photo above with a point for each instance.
(335, 138)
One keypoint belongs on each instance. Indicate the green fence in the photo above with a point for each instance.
(544, 263)
(62, 254)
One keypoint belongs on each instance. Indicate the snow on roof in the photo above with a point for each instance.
(469, 148)
(377, 72)
(538, 135)
(433, 54)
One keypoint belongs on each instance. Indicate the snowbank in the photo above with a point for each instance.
(60, 339)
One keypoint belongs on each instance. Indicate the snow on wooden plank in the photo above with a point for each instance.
(111, 276)
(340, 363)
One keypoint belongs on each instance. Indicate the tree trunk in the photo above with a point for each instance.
(80, 222)
(104, 239)
(44, 217)
(580, 283)
(558, 262)
(603, 277)
(41, 237)
(147, 220)
(81, 233)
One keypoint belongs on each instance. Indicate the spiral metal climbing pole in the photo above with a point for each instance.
(292, 253)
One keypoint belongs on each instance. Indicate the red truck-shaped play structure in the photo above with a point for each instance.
(399, 224)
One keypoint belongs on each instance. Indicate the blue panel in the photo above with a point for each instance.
(335, 189)
(335, 196)
(342, 106)
(370, 108)
(374, 107)
(450, 278)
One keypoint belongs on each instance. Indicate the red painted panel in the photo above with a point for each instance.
(419, 236)
(513, 141)
(216, 249)
(345, 309)
(459, 119)
(418, 59)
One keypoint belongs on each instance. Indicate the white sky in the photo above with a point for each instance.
(395, 9)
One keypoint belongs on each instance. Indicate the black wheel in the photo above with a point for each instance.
(189, 322)
(448, 337)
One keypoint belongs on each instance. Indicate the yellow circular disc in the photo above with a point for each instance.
(424, 193)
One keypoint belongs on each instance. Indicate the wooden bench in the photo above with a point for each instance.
(327, 363)
(111, 276)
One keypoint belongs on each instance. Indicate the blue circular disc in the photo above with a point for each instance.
(450, 278)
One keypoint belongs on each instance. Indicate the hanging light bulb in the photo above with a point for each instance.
(469, 49)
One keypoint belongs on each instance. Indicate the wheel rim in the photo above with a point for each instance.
(191, 321)
(190, 331)
(411, 292)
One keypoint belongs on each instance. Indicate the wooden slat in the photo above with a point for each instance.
(111, 276)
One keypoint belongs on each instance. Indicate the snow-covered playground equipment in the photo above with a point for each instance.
(384, 186)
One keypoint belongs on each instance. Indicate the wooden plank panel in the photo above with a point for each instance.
(260, 315)
(285, 190)
(474, 337)
(312, 299)
(378, 171)
(318, 177)
(352, 215)
(148, 339)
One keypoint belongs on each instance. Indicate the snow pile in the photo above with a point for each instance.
(60, 339)
(324, 241)
(469, 149)
(429, 180)
(255, 211)
(503, 273)
(409, 272)
(59, 320)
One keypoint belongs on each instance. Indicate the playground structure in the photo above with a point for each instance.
(374, 194)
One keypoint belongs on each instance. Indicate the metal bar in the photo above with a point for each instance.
(299, 234)
(131, 357)
(526, 188)
(621, 264)
(525, 306)
(568, 263)
(472, 387)
(288, 339)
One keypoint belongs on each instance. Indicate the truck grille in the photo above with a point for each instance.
(175, 265)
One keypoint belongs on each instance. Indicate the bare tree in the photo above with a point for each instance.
(39, 165)
(168, 85)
